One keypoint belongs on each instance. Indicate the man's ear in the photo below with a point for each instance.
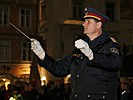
(99, 25)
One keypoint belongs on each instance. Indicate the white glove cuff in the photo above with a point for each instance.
(41, 55)
(90, 55)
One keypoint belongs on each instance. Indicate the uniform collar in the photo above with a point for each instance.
(99, 40)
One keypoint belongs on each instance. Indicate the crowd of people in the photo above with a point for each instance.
(55, 90)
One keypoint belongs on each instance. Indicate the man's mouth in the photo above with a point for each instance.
(85, 28)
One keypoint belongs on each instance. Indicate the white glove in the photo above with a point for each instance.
(84, 47)
(37, 49)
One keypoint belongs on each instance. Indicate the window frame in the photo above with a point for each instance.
(77, 9)
(28, 54)
(5, 49)
(25, 20)
(3, 13)
(111, 11)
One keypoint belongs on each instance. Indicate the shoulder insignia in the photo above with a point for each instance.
(113, 39)
(114, 50)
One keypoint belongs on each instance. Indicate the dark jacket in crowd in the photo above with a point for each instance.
(91, 79)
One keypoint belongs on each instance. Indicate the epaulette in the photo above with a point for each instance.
(114, 50)
(113, 39)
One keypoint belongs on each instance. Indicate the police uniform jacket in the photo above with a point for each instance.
(90, 79)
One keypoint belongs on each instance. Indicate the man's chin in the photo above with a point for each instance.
(85, 32)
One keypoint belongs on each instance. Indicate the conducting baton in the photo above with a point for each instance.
(21, 31)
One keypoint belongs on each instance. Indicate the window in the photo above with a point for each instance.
(5, 50)
(25, 17)
(77, 9)
(43, 10)
(126, 9)
(4, 15)
(26, 51)
(110, 10)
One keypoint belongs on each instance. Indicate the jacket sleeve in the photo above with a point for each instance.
(59, 67)
(109, 60)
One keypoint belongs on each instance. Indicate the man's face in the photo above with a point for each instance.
(90, 26)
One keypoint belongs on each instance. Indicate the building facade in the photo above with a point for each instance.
(15, 53)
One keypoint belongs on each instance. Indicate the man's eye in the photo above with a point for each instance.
(89, 22)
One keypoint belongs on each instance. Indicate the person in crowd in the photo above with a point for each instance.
(2, 92)
(67, 91)
(130, 89)
(49, 93)
(125, 91)
(9, 91)
(95, 68)
(16, 94)
(58, 90)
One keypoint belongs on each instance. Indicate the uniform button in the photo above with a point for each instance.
(81, 57)
(77, 75)
(75, 95)
(103, 97)
(88, 95)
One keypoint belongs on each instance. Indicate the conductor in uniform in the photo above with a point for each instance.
(94, 70)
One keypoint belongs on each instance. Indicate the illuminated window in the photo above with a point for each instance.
(4, 15)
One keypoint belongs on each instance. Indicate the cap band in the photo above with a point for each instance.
(92, 17)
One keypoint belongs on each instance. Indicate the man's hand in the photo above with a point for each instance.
(37, 49)
(84, 47)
